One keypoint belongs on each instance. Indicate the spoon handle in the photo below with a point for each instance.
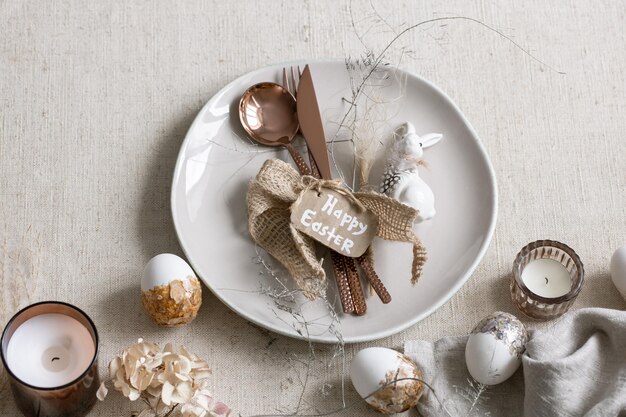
(297, 158)
(315, 171)
(341, 278)
(340, 268)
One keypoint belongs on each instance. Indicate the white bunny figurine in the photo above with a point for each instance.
(401, 179)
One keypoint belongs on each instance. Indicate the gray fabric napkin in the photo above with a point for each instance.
(576, 368)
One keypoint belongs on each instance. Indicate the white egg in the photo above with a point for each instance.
(373, 371)
(170, 291)
(618, 270)
(494, 348)
(163, 269)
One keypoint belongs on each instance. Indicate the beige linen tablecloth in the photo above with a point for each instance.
(96, 97)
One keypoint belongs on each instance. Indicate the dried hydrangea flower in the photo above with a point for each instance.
(164, 379)
(102, 392)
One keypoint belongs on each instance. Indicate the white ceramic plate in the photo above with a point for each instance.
(216, 162)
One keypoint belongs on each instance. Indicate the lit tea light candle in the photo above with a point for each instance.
(547, 278)
(50, 350)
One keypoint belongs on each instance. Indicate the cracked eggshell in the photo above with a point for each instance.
(494, 348)
(170, 291)
(618, 270)
(374, 369)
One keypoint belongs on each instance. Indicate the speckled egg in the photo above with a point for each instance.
(170, 291)
(494, 348)
(373, 371)
(618, 270)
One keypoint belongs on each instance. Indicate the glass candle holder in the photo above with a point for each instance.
(547, 278)
(50, 352)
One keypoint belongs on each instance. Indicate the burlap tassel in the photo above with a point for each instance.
(396, 223)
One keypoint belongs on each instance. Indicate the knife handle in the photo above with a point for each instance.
(297, 158)
(339, 268)
(374, 279)
(358, 298)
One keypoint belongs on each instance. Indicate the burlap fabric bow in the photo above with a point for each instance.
(270, 197)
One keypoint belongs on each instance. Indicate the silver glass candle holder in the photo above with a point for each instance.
(547, 277)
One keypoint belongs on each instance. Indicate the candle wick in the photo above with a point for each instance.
(546, 278)
(55, 359)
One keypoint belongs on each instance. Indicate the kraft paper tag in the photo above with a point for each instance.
(333, 220)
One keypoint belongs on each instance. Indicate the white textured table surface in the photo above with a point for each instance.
(96, 97)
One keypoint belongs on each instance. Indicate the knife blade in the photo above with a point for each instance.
(311, 123)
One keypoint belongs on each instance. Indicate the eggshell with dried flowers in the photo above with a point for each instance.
(389, 381)
(170, 291)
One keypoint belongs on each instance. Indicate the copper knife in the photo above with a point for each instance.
(311, 123)
(312, 129)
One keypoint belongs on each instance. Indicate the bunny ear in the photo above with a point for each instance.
(431, 139)
(403, 130)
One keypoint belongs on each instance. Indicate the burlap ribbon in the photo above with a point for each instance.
(270, 197)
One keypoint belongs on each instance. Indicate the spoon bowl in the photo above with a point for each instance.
(269, 114)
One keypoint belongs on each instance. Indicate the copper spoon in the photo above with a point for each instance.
(268, 113)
